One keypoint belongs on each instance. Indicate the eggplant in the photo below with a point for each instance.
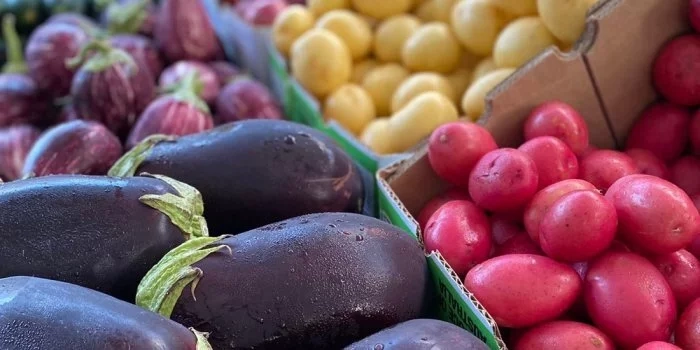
(184, 31)
(38, 313)
(74, 147)
(109, 87)
(208, 78)
(15, 143)
(94, 231)
(130, 17)
(179, 113)
(20, 99)
(319, 281)
(245, 98)
(142, 50)
(47, 50)
(420, 334)
(225, 71)
(254, 172)
(76, 19)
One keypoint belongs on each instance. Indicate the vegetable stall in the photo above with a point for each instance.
(350, 174)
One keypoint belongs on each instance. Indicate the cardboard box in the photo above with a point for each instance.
(607, 78)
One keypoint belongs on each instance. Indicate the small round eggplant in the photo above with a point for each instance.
(208, 78)
(38, 313)
(420, 334)
(75, 147)
(110, 87)
(245, 98)
(225, 71)
(254, 172)
(318, 281)
(183, 31)
(76, 19)
(98, 232)
(48, 49)
(15, 143)
(177, 114)
(142, 50)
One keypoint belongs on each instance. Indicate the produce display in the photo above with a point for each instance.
(370, 63)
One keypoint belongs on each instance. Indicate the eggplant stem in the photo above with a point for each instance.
(104, 57)
(126, 18)
(15, 57)
(162, 286)
(202, 342)
(126, 165)
(188, 89)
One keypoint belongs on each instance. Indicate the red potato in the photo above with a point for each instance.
(503, 180)
(658, 345)
(553, 158)
(685, 173)
(682, 272)
(564, 335)
(654, 215)
(694, 14)
(648, 163)
(455, 148)
(558, 119)
(518, 244)
(578, 226)
(695, 133)
(461, 232)
(504, 228)
(676, 71)
(694, 247)
(628, 299)
(662, 129)
(545, 198)
(687, 334)
(603, 167)
(521, 290)
(434, 204)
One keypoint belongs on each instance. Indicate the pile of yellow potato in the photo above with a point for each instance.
(392, 71)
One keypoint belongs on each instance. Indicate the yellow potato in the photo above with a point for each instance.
(520, 41)
(473, 101)
(460, 81)
(319, 7)
(485, 66)
(415, 121)
(360, 70)
(443, 10)
(476, 24)
(417, 84)
(519, 8)
(381, 83)
(375, 136)
(320, 61)
(432, 47)
(351, 106)
(353, 30)
(383, 8)
(426, 12)
(294, 21)
(391, 35)
(565, 19)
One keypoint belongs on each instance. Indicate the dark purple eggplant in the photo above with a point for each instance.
(15, 143)
(109, 87)
(208, 78)
(38, 313)
(254, 172)
(130, 16)
(225, 71)
(20, 99)
(98, 232)
(183, 31)
(74, 147)
(142, 50)
(179, 113)
(318, 281)
(420, 334)
(48, 49)
(245, 98)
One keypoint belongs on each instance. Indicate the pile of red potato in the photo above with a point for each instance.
(568, 246)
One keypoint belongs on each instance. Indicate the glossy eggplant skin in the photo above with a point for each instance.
(420, 334)
(38, 313)
(255, 172)
(87, 230)
(318, 281)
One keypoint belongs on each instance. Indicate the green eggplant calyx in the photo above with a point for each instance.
(126, 18)
(162, 286)
(131, 161)
(15, 57)
(103, 56)
(188, 90)
(184, 209)
(202, 342)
